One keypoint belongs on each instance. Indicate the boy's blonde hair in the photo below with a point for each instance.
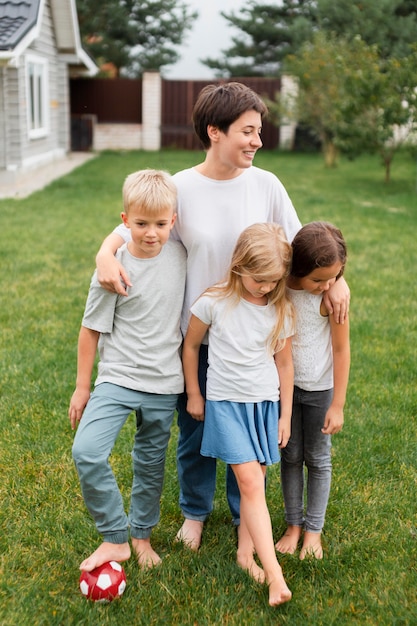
(151, 190)
(263, 253)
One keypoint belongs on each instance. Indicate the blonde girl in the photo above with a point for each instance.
(249, 323)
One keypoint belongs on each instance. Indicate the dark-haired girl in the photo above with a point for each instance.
(321, 355)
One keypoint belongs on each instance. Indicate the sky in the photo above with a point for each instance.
(210, 34)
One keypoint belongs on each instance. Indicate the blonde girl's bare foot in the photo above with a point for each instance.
(311, 546)
(289, 540)
(145, 554)
(106, 552)
(190, 534)
(248, 563)
(278, 592)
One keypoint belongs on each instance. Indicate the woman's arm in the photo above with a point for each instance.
(190, 355)
(334, 419)
(284, 363)
(110, 273)
(337, 300)
(87, 348)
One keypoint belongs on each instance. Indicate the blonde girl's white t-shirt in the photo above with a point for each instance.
(211, 216)
(241, 367)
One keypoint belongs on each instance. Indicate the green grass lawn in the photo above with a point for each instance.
(368, 576)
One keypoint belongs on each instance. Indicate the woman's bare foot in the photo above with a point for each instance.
(311, 546)
(106, 552)
(278, 592)
(145, 554)
(248, 563)
(190, 534)
(289, 540)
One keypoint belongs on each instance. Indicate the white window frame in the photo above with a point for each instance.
(37, 96)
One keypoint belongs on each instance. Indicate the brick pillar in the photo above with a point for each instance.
(151, 110)
(288, 95)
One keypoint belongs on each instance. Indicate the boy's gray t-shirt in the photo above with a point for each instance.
(140, 336)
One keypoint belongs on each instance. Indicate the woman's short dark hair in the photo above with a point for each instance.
(221, 105)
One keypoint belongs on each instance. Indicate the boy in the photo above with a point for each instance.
(139, 339)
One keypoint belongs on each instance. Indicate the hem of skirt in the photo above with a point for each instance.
(236, 461)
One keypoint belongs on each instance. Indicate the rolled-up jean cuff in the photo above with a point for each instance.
(140, 533)
(119, 537)
(195, 518)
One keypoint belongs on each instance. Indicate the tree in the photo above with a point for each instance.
(389, 118)
(269, 32)
(330, 73)
(352, 100)
(389, 24)
(134, 35)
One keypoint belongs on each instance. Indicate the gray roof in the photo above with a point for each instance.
(17, 17)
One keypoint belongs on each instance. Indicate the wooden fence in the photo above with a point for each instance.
(119, 101)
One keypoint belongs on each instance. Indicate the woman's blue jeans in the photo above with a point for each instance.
(197, 473)
(309, 448)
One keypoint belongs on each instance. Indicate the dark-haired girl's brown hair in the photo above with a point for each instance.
(317, 244)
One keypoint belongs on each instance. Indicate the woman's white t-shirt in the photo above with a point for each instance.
(211, 215)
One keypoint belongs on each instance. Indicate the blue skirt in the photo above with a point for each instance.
(239, 432)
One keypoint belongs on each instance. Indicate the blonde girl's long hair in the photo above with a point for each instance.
(262, 252)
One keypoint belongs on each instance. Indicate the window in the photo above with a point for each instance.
(37, 96)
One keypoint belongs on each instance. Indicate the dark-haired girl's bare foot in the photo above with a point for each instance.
(311, 546)
(289, 540)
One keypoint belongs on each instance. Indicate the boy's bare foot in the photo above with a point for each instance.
(190, 534)
(289, 540)
(278, 592)
(145, 554)
(250, 566)
(106, 552)
(311, 546)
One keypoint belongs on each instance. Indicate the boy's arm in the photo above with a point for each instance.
(284, 363)
(333, 421)
(190, 353)
(87, 348)
(109, 270)
(337, 300)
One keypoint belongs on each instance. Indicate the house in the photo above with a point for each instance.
(40, 50)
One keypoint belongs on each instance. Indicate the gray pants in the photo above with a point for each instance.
(307, 446)
(105, 414)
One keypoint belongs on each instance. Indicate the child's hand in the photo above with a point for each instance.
(333, 422)
(195, 407)
(284, 432)
(79, 399)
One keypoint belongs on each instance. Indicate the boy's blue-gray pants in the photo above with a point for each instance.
(103, 418)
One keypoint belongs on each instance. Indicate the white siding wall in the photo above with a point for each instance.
(63, 110)
(3, 125)
(15, 116)
(46, 148)
(23, 153)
